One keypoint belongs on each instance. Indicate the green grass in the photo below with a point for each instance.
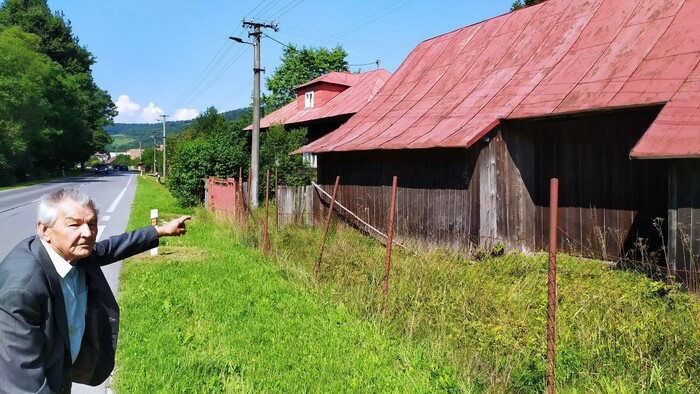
(617, 331)
(119, 140)
(68, 173)
(211, 314)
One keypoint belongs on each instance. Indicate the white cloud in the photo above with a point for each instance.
(185, 114)
(151, 112)
(127, 109)
(131, 112)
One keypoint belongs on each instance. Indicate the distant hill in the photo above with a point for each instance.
(127, 135)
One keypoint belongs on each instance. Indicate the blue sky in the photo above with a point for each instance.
(174, 57)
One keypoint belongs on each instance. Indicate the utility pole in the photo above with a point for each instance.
(154, 152)
(163, 175)
(255, 149)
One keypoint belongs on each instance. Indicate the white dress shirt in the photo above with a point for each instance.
(74, 291)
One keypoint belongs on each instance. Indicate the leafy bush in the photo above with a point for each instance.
(211, 147)
(193, 162)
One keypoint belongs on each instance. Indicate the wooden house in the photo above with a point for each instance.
(326, 102)
(602, 94)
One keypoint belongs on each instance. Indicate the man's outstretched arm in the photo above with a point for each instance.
(175, 227)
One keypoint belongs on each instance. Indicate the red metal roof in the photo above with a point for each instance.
(361, 88)
(560, 56)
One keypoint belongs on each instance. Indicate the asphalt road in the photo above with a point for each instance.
(113, 195)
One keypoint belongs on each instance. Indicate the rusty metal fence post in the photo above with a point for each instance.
(235, 200)
(552, 281)
(328, 223)
(276, 203)
(240, 195)
(266, 235)
(389, 242)
(250, 174)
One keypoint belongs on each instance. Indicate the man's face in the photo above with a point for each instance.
(74, 233)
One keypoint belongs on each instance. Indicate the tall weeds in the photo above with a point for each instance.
(617, 331)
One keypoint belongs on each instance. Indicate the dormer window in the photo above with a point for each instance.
(308, 100)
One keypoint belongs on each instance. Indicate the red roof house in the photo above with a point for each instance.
(476, 121)
(326, 102)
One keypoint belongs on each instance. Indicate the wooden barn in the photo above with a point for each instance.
(602, 94)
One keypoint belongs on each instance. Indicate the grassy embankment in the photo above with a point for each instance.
(68, 173)
(210, 314)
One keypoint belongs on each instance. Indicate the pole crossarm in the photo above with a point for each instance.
(258, 25)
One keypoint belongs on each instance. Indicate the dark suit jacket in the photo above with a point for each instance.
(34, 341)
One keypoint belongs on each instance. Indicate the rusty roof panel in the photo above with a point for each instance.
(650, 10)
(682, 36)
(558, 56)
(477, 128)
(676, 131)
(602, 30)
(656, 79)
(581, 8)
(490, 57)
(574, 66)
(362, 88)
(526, 44)
(592, 94)
(556, 44)
(628, 50)
(549, 8)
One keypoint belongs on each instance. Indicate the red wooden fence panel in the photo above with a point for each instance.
(222, 196)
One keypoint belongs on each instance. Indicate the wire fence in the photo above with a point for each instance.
(306, 205)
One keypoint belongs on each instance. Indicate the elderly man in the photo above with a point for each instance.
(58, 317)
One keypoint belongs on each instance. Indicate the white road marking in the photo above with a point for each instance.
(100, 230)
(119, 197)
(106, 218)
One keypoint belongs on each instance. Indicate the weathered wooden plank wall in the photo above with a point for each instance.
(295, 205)
(684, 220)
(607, 202)
(437, 199)
(506, 207)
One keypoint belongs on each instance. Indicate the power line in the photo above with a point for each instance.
(258, 6)
(377, 62)
(280, 42)
(206, 72)
(380, 14)
(222, 71)
(214, 70)
(224, 59)
(285, 10)
(262, 12)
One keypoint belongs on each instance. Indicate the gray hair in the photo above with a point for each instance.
(47, 212)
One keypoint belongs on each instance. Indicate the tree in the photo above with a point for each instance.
(24, 73)
(300, 66)
(207, 125)
(147, 159)
(78, 109)
(274, 154)
(125, 159)
(518, 4)
(192, 165)
(212, 146)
